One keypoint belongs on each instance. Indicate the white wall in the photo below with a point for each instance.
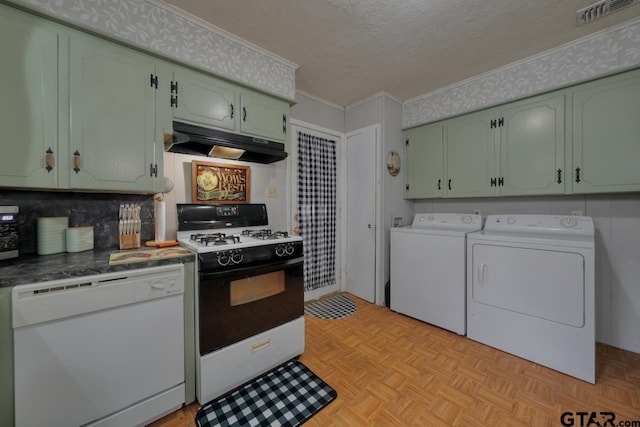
(319, 113)
(177, 167)
(617, 222)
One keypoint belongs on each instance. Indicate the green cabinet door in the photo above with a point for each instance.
(532, 146)
(606, 135)
(29, 107)
(203, 100)
(111, 117)
(6, 359)
(423, 162)
(470, 155)
(264, 116)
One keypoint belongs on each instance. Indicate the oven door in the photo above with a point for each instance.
(239, 303)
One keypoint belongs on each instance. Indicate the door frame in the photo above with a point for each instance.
(378, 223)
(341, 199)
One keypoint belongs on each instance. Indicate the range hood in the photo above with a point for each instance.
(201, 141)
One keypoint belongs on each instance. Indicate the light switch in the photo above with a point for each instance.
(272, 191)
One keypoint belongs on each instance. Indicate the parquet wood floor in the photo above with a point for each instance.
(392, 370)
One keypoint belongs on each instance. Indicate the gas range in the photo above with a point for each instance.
(211, 232)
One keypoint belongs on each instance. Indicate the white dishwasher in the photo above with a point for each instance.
(104, 350)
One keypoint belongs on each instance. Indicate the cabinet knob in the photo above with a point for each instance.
(232, 110)
(449, 184)
(49, 160)
(77, 163)
(244, 114)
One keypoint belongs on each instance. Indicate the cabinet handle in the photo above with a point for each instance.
(492, 182)
(232, 110)
(284, 124)
(174, 101)
(76, 161)
(493, 123)
(577, 174)
(174, 87)
(449, 184)
(501, 181)
(559, 181)
(49, 160)
(439, 186)
(501, 122)
(244, 114)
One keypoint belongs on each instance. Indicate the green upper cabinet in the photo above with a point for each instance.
(201, 99)
(264, 116)
(112, 117)
(423, 164)
(606, 135)
(29, 107)
(531, 134)
(470, 155)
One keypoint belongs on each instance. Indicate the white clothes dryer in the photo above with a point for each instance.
(530, 290)
(428, 262)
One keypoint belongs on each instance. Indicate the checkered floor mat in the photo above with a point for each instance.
(287, 396)
(337, 307)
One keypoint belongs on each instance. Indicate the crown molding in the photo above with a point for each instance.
(317, 98)
(372, 97)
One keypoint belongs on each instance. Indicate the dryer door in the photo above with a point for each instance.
(545, 284)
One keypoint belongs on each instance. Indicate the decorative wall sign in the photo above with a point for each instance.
(219, 183)
(393, 163)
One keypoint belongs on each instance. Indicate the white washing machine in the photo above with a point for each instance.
(428, 262)
(530, 290)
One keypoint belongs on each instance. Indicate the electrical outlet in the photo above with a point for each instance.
(577, 212)
(396, 221)
(272, 191)
(477, 212)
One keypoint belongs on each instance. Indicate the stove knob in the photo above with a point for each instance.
(237, 257)
(289, 249)
(223, 259)
(280, 250)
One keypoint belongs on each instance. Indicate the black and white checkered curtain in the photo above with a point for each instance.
(317, 208)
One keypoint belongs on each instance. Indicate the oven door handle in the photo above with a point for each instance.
(253, 269)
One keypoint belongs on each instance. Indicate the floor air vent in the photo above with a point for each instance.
(600, 9)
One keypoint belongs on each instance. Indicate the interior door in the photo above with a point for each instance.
(362, 148)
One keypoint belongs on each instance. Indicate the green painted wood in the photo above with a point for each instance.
(205, 100)
(264, 116)
(606, 134)
(532, 146)
(6, 359)
(423, 162)
(112, 116)
(29, 110)
(470, 155)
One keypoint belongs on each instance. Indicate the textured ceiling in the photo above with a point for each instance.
(348, 50)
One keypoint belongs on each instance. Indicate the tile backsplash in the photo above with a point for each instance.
(83, 209)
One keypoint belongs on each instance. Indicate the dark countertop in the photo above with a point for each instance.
(40, 268)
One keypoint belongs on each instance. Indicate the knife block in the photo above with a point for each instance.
(129, 241)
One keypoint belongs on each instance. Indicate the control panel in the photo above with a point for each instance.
(446, 220)
(540, 223)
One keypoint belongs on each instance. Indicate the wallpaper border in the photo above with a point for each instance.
(606, 52)
(157, 28)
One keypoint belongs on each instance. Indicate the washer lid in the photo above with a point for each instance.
(447, 221)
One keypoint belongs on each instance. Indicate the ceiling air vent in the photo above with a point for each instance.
(600, 9)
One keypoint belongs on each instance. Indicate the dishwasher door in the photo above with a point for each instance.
(106, 349)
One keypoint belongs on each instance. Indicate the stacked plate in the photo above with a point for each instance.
(51, 234)
(79, 239)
